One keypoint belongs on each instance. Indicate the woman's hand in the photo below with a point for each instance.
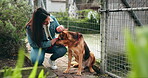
(60, 28)
(53, 41)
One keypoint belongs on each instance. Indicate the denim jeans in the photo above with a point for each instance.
(56, 51)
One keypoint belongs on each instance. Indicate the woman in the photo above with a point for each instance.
(37, 37)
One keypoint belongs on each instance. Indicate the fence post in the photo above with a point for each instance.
(103, 25)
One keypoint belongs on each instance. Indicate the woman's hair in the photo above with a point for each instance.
(39, 17)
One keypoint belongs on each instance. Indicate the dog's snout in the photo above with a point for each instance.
(60, 38)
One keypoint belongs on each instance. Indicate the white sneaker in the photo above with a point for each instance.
(52, 65)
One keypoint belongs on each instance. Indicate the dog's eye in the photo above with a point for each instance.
(62, 38)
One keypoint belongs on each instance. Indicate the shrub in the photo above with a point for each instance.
(87, 21)
(13, 16)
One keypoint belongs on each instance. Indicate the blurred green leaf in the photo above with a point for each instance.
(19, 65)
(34, 71)
(137, 51)
(7, 72)
(41, 75)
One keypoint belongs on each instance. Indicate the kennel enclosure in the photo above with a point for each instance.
(116, 16)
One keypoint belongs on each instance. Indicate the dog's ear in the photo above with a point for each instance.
(65, 35)
(79, 35)
(76, 35)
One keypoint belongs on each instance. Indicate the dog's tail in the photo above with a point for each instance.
(96, 69)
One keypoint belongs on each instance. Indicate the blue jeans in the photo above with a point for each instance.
(56, 51)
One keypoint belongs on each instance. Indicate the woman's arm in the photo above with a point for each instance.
(32, 44)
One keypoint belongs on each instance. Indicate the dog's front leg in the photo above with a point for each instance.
(80, 64)
(69, 61)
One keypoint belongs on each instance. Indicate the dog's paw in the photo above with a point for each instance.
(66, 71)
(91, 70)
(78, 73)
(74, 64)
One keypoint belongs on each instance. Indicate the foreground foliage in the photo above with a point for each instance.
(137, 48)
(16, 73)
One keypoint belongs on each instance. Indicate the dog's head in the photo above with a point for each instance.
(68, 38)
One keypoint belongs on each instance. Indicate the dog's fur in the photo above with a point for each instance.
(78, 48)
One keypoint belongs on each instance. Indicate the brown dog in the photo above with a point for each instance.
(78, 48)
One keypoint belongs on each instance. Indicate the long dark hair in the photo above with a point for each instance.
(39, 17)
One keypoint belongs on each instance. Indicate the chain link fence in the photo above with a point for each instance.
(116, 16)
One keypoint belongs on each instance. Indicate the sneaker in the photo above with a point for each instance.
(52, 64)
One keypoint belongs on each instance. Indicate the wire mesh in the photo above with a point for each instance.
(116, 18)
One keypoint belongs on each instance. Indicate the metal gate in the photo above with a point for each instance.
(116, 15)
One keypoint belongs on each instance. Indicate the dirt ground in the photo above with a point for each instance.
(11, 62)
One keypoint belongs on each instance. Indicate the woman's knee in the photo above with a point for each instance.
(36, 57)
(62, 51)
(59, 52)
